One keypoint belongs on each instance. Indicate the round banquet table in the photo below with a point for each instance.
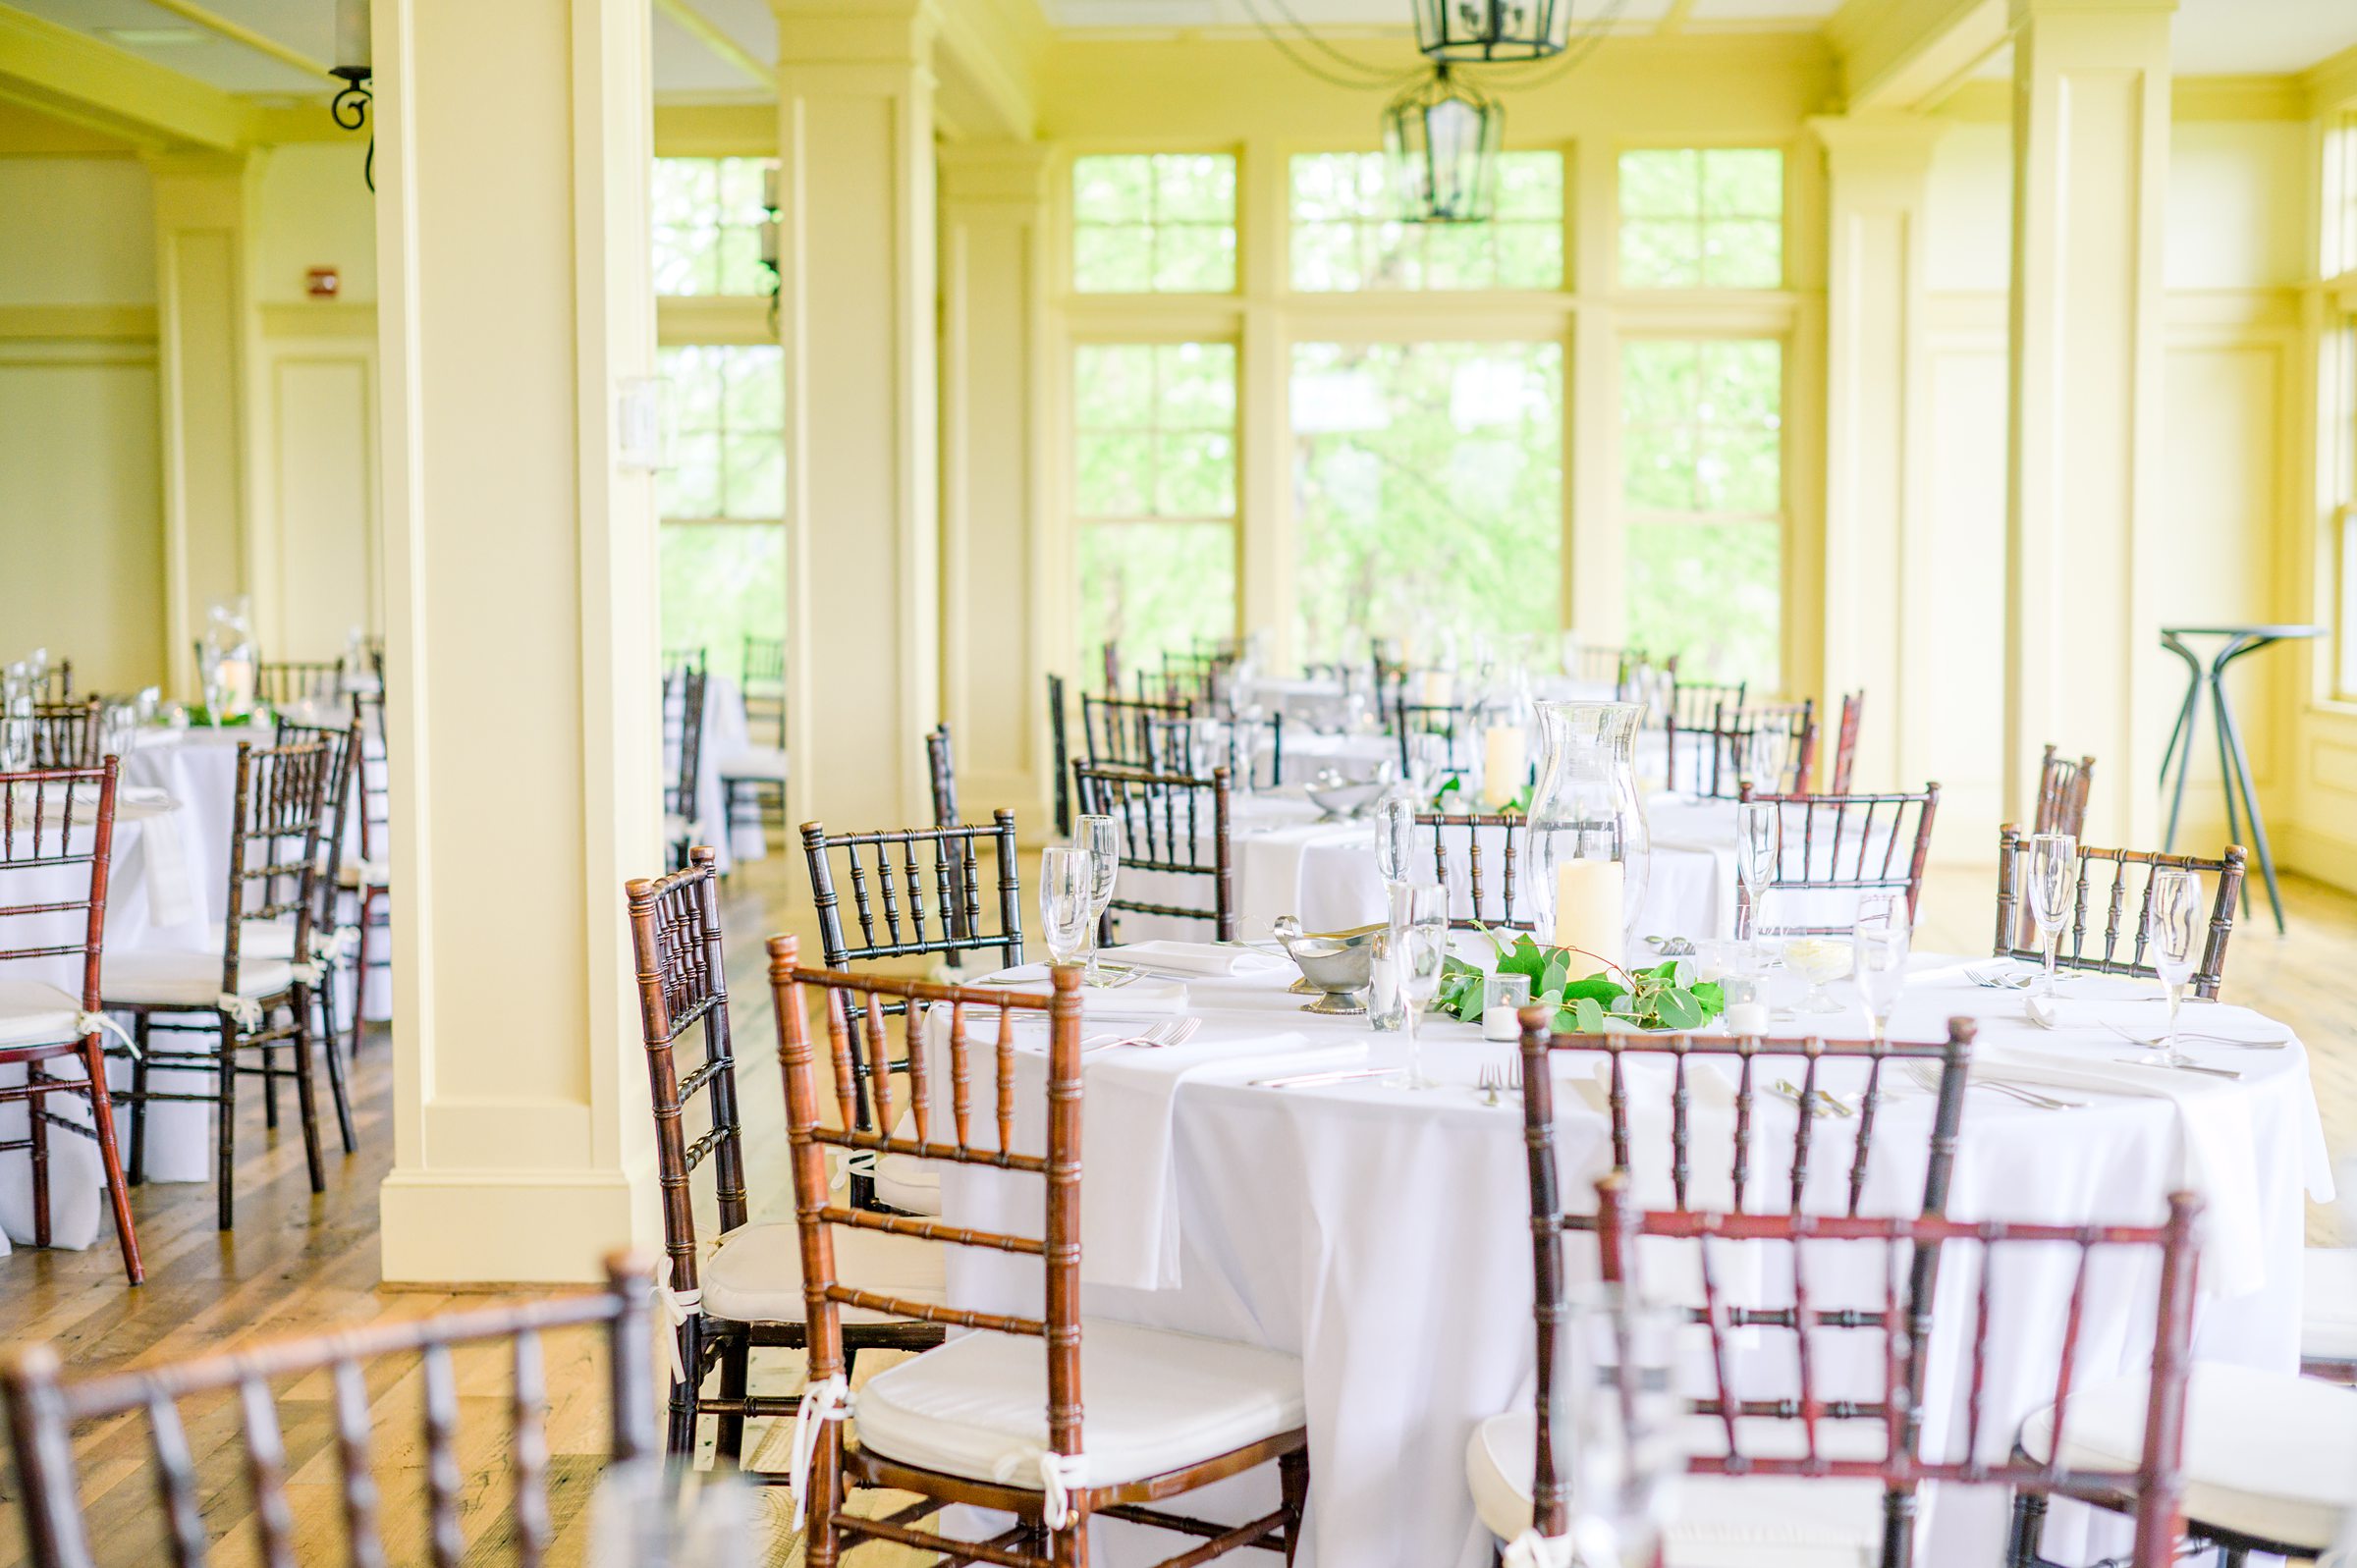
(1383, 1237)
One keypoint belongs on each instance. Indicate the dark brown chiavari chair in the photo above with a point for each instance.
(2062, 786)
(1252, 1394)
(682, 755)
(2106, 878)
(1459, 838)
(235, 995)
(55, 683)
(332, 941)
(66, 734)
(44, 1407)
(753, 780)
(1064, 757)
(1108, 666)
(1120, 731)
(894, 922)
(367, 878)
(1697, 705)
(1458, 731)
(1167, 823)
(941, 773)
(747, 1290)
(1194, 677)
(284, 681)
(58, 828)
(1845, 843)
(1732, 745)
(1845, 742)
(678, 661)
(1170, 748)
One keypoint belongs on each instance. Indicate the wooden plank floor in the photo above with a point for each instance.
(298, 1264)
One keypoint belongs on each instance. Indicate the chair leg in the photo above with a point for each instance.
(307, 1094)
(680, 1440)
(1292, 1475)
(117, 1192)
(360, 965)
(335, 1056)
(225, 1154)
(728, 814)
(139, 1104)
(821, 1547)
(2029, 1523)
(269, 1090)
(735, 1364)
(38, 1130)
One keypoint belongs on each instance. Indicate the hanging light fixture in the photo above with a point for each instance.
(1492, 30)
(350, 105)
(1440, 137)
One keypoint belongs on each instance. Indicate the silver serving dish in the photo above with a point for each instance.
(1339, 964)
(1341, 799)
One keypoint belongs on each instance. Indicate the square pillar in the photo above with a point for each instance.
(513, 155)
(2082, 667)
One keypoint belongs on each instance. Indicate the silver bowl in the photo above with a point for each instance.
(1341, 964)
(1341, 799)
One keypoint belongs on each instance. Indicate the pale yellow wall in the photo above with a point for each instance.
(316, 210)
(78, 230)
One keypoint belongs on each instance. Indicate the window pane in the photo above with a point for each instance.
(707, 217)
(1115, 473)
(1154, 430)
(1154, 223)
(1153, 586)
(1348, 233)
(1657, 254)
(1428, 487)
(1711, 594)
(1660, 183)
(722, 582)
(1702, 218)
(1113, 190)
(1742, 182)
(728, 448)
(1743, 254)
(1113, 260)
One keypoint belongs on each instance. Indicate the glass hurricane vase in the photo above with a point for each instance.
(1590, 852)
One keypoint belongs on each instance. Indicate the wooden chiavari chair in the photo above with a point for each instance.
(1781, 737)
(1457, 839)
(66, 734)
(941, 773)
(1845, 742)
(1845, 844)
(747, 1289)
(1697, 705)
(57, 828)
(753, 780)
(44, 1406)
(367, 878)
(2107, 877)
(55, 683)
(894, 922)
(1170, 748)
(233, 994)
(1121, 731)
(1458, 731)
(1133, 1455)
(1194, 677)
(1064, 757)
(2062, 786)
(1603, 665)
(332, 941)
(1109, 668)
(282, 682)
(1168, 822)
(678, 661)
(682, 756)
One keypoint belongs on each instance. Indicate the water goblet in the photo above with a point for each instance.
(1067, 901)
(1101, 836)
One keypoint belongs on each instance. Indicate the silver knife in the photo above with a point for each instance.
(1301, 1080)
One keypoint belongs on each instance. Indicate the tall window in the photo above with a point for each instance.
(1346, 233)
(1155, 488)
(2338, 227)
(1428, 491)
(1702, 218)
(708, 218)
(1154, 223)
(1702, 476)
(2339, 441)
(722, 501)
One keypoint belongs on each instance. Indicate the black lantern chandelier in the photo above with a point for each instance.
(350, 105)
(1442, 137)
(1492, 30)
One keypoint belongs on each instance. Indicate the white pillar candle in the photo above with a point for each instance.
(1747, 1018)
(1434, 688)
(1587, 908)
(1502, 764)
(236, 678)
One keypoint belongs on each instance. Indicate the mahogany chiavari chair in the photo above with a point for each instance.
(235, 996)
(1458, 731)
(1845, 742)
(682, 755)
(2062, 786)
(1170, 748)
(1120, 731)
(333, 943)
(894, 922)
(1166, 1413)
(747, 1290)
(1171, 824)
(1064, 756)
(281, 683)
(56, 842)
(1457, 839)
(1697, 705)
(1845, 844)
(2121, 882)
(1108, 666)
(367, 878)
(66, 734)
(753, 780)
(1195, 676)
(1782, 736)
(55, 683)
(44, 1406)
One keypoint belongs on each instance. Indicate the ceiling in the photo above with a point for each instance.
(2213, 37)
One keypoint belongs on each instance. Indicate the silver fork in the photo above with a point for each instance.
(2208, 1040)
(1927, 1077)
(1170, 1032)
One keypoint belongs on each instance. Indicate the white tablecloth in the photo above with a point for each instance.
(1382, 1236)
(725, 735)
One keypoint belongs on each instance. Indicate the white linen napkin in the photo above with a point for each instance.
(1196, 957)
(2218, 1156)
(1271, 867)
(171, 888)
(1139, 999)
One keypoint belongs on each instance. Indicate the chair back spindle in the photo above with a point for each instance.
(2116, 885)
(1171, 824)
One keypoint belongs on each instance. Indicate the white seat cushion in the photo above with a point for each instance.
(756, 1273)
(261, 938)
(1722, 1521)
(162, 978)
(33, 1013)
(756, 762)
(978, 1406)
(909, 1184)
(2329, 1304)
(352, 873)
(2267, 1454)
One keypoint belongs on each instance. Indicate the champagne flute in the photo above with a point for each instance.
(1880, 942)
(1396, 836)
(1415, 943)
(2053, 873)
(1759, 834)
(1617, 1380)
(2172, 931)
(1066, 899)
(1101, 836)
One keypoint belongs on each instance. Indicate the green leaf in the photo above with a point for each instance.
(1557, 971)
(1599, 988)
(1711, 996)
(1588, 1015)
(1527, 960)
(1679, 1009)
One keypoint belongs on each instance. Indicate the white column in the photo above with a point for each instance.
(512, 153)
(2091, 95)
(1875, 431)
(856, 316)
(998, 631)
(1595, 604)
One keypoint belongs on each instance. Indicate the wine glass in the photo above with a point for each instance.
(2053, 873)
(2172, 931)
(1415, 943)
(1101, 836)
(1617, 1381)
(1759, 843)
(1880, 941)
(1396, 836)
(1763, 760)
(1066, 899)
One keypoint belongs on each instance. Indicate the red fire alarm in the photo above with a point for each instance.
(322, 283)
